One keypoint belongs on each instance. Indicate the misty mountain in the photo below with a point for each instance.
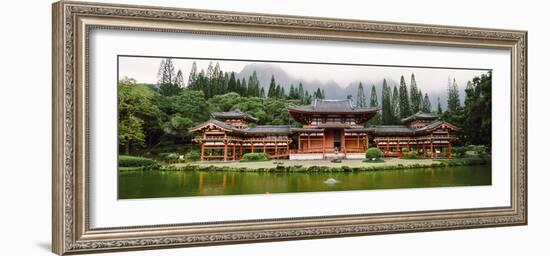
(333, 90)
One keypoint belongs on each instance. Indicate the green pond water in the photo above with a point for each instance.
(153, 184)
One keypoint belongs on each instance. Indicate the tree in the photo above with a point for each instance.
(166, 72)
(387, 110)
(191, 82)
(439, 110)
(361, 100)
(318, 94)
(373, 97)
(301, 92)
(404, 106)
(426, 105)
(262, 93)
(307, 98)
(166, 78)
(178, 81)
(453, 102)
(477, 111)
(232, 83)
(374, 103)
(243, 88)
(416, 96)
(271, 92)
(136, 112)
(395, 105)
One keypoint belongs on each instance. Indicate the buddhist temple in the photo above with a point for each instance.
(329, 128)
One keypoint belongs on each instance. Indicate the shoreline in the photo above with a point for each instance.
(307, 166)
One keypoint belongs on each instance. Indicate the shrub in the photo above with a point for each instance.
(192, 156)
(249, 157)
(459, 151)
(374, 153)
(135, 161)
(413, 154)
(480, 149)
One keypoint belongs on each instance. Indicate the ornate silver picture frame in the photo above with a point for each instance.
(74, 21)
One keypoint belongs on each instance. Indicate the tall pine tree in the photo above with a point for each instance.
(387, 108)
(439, 110)
(404, 106)
(395, 105)
(166, 78)
(426, 105)
(361, 100)
(232, 83)
(272, 91)
(373, 97)
(453, 102)
(375, 120)
(178, 81)
(192, 80)
(416, 96)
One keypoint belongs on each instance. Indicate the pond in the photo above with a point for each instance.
(154, 184)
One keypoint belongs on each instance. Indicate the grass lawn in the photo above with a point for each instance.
(309, 163)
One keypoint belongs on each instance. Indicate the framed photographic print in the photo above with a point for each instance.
(179, 127)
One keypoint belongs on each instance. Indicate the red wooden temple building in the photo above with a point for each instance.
(330, 128)
(422, 132)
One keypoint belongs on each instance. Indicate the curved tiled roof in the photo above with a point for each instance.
(237, 113)
(406, 130)
(419, 116)
(332, 106)
(268, 129)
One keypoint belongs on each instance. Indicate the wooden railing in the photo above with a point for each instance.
(327, 150)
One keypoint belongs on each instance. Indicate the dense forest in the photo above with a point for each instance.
(155, 118)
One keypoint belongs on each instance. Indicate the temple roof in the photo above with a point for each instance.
(406, 130)
(391, 130)
(215, 122)
(268, 129)
(236, 114)
(419, 116)
(260, 129)
(332, 106)
(306, 130)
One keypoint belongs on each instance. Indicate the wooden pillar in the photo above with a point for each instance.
(431, 149)
(424, 148)
(202, 152)
(299, 142)
(264, 147)
(276, 149)
(399, 146)
(225, 151)
(234, 151)
(324, 144)
(367, 141)
(308, 141)
(251, 147)
(343, 139)
(449, 148)
(287, 149)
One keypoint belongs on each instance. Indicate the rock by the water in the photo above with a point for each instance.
(330, 181)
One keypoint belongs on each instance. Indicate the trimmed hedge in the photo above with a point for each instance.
(250, 157)
(413, 154)
(374, 153)
(192, 156)
(137, 162)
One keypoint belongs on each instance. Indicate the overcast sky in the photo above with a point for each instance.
(145, 69)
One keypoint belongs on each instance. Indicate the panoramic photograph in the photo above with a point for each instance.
(212, 127)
